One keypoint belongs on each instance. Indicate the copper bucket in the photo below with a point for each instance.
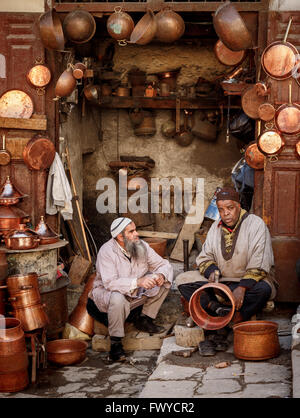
(32, 317)
(256, 340)
(13, 356)
(201, 317)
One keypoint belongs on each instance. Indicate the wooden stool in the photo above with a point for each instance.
(38, 350)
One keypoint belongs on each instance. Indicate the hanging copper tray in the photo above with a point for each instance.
(16, 104)
(39, 153)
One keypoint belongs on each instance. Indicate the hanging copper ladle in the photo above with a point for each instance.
(5, 155)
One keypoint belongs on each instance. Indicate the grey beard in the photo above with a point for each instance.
(137, 250)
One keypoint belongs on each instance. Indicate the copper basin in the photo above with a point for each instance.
(66, 352)
(201, 317)
(256, 340)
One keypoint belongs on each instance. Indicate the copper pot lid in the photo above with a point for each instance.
(9, 191)
(16, 104)
(39, 153)
(43, 230)
(270, 142)
(22, 232)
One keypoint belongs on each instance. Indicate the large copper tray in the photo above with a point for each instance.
(16, 104)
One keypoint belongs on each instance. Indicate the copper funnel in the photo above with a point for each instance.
(80, 318)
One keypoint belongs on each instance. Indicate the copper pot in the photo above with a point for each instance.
(9, 194)
(231, 28)
(279, 58)
(24, 298)
(92, 92)
(120, 24)
(45, 233)
(66, 352)
(21, 239)
(79, 70)
(79, 317)
(256, 340)
(79, 26)
(39, 153)
(32, 317)
(18, 282)
(11, 217)
(51, 30)
(144, 30)
(13, 356)
(287, 117)
(226, 56)
(170, 25)
(201, 317)
(65, 84)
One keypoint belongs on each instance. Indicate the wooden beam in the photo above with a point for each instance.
(142, 6)
(38, 124)
(157, 234)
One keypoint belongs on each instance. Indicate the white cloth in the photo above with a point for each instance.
(58, 193)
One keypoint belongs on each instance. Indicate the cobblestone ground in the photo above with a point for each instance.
(93, 378)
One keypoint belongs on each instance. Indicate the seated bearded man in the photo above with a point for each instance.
(239, 248)
(126, 268)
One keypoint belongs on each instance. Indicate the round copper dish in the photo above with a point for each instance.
(226, 56)
(66, 352)
(16, 104)
(9, 194)
(256, 340)
(254, 158)
(79, 26)
(39, 76)
(39, 153)
(270, 142)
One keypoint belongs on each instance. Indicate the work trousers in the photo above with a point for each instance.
(254, 299)
(120, 306)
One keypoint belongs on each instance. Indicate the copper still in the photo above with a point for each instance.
(13, 356)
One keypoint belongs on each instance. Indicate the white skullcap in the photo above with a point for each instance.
(118, 225)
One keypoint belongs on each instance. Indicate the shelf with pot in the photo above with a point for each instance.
(169, 102)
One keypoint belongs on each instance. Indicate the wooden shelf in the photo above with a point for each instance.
(34, 123)
(112, 102)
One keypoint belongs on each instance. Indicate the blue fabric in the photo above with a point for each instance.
(243, 176)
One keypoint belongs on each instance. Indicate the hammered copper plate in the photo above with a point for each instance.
(16, 104)
(254, 158)
(270, 142)
(39, 75)
(39, 153)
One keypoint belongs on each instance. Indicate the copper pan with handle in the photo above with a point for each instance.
(279, 58)
(287, 117)
(251, 99)
(253, 157)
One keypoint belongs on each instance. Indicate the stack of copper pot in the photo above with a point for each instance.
(25, 299)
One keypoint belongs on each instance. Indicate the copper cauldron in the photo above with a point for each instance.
(145, 29)
(231, 28)
(13, 356)
(170, 25)
(201, 317)
(120, 24)
(79, 26)
(256, 340)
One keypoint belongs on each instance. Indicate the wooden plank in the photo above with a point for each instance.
(157, 234)
(38, 124)
(16, 146)
(188, 231)
(79, 270)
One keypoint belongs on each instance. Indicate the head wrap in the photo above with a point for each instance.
(228, 193)
(118, 225)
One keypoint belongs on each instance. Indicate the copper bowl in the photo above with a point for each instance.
(79, 26)
(256, 340)
(66, 352)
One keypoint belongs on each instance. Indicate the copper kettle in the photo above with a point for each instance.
(170, 25)
(65, 84)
